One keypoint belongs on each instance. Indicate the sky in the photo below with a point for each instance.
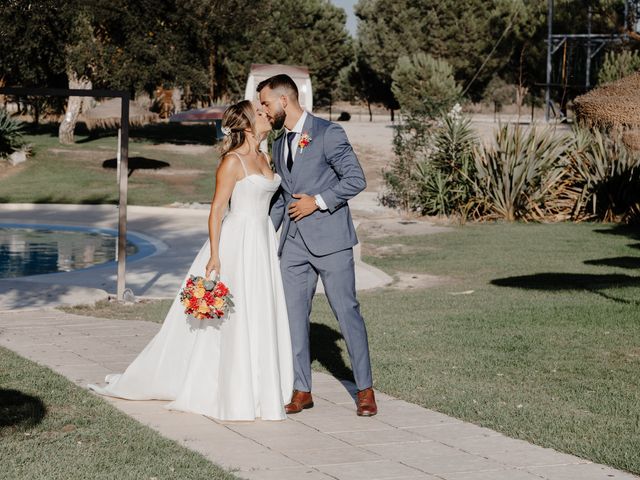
(351, 17)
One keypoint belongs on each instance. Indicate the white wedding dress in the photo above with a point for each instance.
(237, 368)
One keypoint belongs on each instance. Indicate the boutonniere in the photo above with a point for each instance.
(305, 140)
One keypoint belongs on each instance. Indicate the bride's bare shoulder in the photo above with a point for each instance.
(229, 164)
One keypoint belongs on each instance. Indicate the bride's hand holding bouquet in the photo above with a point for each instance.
(213, 265)
(205, 298)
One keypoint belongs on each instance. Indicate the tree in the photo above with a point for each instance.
(424, 85)
(358, 82)
(109, 47)
(121, 44)
(472, 35)
(33, 35)
(618, 65)
(80, 64)
(205, 46)
(297, 32)
(526, 67)
(211, 29)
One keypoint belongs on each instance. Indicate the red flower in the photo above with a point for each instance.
(221, 290)
(305, 140)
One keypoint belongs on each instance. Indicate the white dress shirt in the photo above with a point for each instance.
(296, 139)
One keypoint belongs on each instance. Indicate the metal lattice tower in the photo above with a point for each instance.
(589, 44)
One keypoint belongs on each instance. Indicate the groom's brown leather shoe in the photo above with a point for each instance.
(366, 401)
(299, 401)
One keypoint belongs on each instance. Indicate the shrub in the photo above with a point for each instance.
(11, 132)
(433, 166)
(514, 176)
(601, 179)
(618, 65)
(500, 93)
(412, 144)
(526, 174)
(444, 179)
(424, 85)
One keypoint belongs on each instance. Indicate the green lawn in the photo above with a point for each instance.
(164, 170)
(546, 348)
(51, 429)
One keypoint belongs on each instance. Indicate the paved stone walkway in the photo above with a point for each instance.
(404, 442)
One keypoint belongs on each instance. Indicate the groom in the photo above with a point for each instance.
(320, 173)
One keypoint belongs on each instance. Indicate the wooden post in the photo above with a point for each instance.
(123, 147)
(119, 155)
(122, 200)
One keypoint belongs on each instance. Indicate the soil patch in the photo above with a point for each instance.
(417, 281)
(396, 227)
(391, 250)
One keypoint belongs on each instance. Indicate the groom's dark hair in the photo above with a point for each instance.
(280, 82)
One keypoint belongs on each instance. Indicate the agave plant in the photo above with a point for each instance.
(443, 179)
(515, 175)
(601, 178)
(454, 142)
(10, 134)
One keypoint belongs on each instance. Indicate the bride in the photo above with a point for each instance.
(239, 367)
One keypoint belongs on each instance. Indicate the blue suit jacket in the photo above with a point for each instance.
(329, 167)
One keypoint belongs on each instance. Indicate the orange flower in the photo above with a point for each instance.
(219, 303)
(203, 308)
(199, 292)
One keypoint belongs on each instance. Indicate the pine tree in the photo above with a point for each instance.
(295, 32)
(463, 32)
(424, 85)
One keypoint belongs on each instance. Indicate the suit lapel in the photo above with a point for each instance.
(300, 159)
(278, 152)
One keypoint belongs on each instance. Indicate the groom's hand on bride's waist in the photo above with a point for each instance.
(305, 205)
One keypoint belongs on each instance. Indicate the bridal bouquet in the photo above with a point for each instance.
(204, 298)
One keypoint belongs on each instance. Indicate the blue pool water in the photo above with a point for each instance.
(38, 249)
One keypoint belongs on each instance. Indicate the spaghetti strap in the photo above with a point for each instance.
(246, 174)
(267, 157)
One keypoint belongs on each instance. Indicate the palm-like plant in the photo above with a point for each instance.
(601, 178)
(11, 133)
(444, 178)
(515, 175)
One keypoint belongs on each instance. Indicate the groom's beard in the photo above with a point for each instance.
(278, 119)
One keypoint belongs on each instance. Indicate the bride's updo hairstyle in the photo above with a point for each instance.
(235, 120)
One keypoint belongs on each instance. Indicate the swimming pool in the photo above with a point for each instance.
(27, 249)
